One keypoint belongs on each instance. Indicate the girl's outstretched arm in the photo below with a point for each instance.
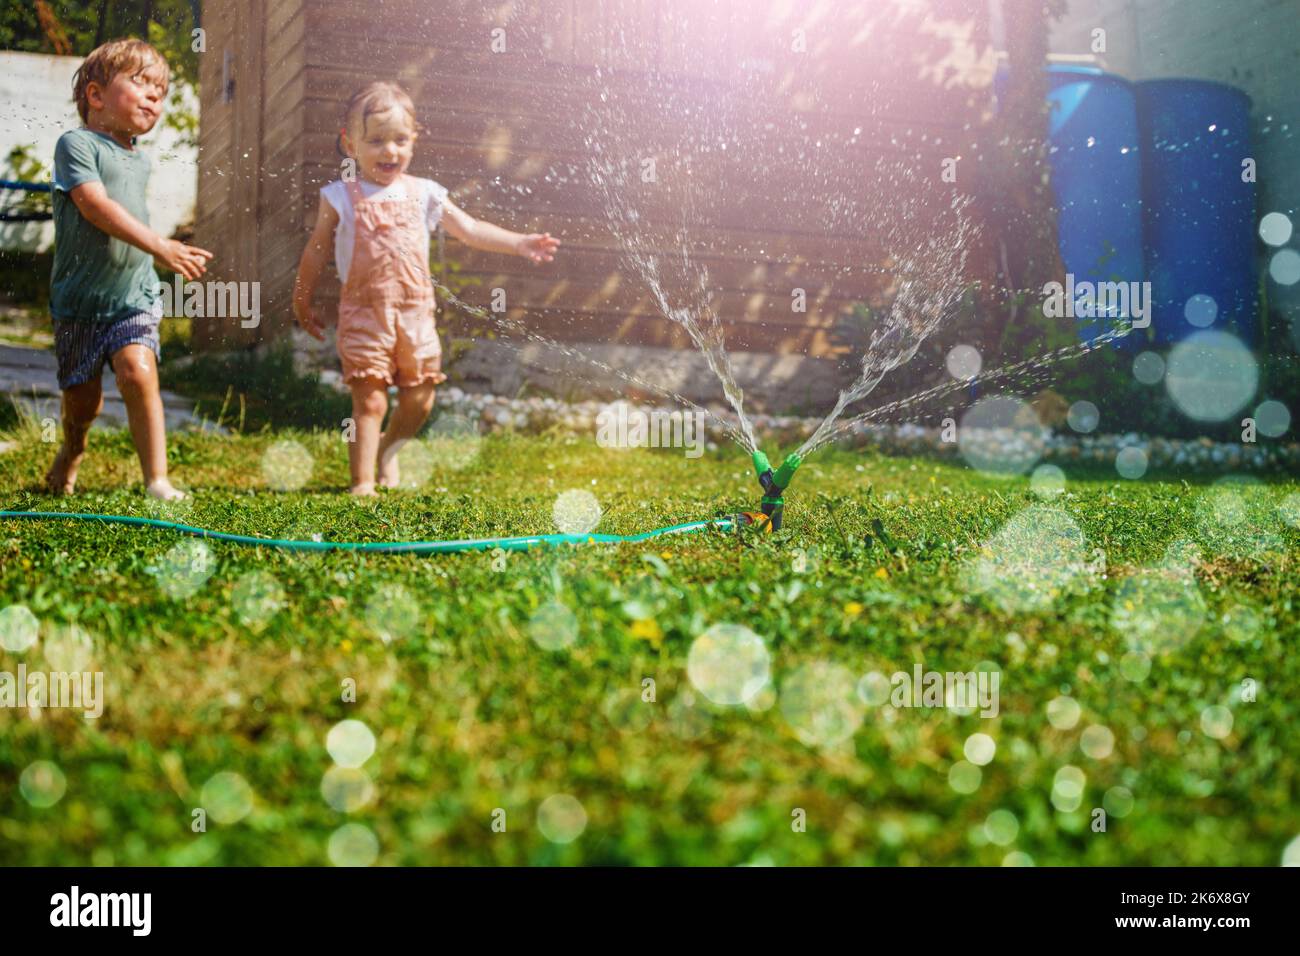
(535, 246)
(310, 267)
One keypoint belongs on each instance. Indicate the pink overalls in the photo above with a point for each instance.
(386, 314)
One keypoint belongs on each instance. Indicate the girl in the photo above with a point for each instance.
(378, 223)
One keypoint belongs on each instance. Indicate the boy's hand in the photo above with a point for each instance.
(538, 246)
(307, 318)
(189, 261)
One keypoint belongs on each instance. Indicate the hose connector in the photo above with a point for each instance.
(756, 518)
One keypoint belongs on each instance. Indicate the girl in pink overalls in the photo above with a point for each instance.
(377, 223)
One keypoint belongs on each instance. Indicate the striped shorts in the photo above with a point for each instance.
(83, 348)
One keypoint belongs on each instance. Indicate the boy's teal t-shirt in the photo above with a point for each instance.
(97, 278)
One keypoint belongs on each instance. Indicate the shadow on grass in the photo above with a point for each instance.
(256, 390)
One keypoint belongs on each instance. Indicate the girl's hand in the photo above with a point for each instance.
(308, 319)
(538, 246)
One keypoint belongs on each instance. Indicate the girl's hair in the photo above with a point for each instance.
(107, 61)
(373, 99)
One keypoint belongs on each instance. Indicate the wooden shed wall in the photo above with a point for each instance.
(501, 124)
(253, 87)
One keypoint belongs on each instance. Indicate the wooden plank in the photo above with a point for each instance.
(570, 109)
(632, 298)
(615, 328)
(781, 206)
(281, 15)
(425, 70)
(731, 274)
(613, 295)
(752, 133)
(285, 58)
(754, 245)
(283, 125)
(611, 327)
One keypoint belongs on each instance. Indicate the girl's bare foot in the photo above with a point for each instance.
(390, 476)
(61, 479)
(364, 491)
(163, 490)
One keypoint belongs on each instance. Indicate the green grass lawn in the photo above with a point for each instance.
(1122, 618)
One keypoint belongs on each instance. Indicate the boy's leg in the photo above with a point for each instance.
(413, 407)
(369, 403)
(136, 369)
(81, 404)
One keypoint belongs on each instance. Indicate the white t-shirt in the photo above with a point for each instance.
(336, 194)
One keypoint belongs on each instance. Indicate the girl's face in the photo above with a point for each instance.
(383, 149)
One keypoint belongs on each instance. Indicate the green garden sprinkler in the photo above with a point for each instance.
(774, 486)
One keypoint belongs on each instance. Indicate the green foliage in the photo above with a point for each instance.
(471, 715)
(22, 164)
(450, 271)
(254, 389)
(169, 28)
(1028, 332)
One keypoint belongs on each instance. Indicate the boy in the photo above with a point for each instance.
(104, 292)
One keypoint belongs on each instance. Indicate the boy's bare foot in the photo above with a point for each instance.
(163, 490)
(61, 479)
(364, 491)
(390, 476)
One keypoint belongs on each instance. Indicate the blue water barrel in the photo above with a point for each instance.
(1093, 150)
(1199, 221)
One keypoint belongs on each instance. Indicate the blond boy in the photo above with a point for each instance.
(104, 292)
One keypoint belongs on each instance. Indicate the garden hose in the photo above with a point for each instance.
(398, 547)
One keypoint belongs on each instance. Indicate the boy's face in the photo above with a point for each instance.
(131, 103)
(384, 148)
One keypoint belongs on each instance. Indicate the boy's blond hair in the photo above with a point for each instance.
(377, 98)
(107, 61)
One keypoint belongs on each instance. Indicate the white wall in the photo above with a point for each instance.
(36, 108)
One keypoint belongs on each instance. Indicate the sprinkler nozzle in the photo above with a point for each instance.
(787, 469)
(774, 485)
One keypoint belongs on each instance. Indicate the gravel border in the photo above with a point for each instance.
(498, 413)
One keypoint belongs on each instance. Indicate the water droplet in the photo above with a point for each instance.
(728, 664)
(561, 818)
(1083, 417)
(353, 844)
(42, 784)
(576, 512)
(1211, 375)
(227, 797)
(1275, 229)
(350, 743)
(553, 627)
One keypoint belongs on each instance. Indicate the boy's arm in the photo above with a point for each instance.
(107, 215)
(537, 246)
(310, 266)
